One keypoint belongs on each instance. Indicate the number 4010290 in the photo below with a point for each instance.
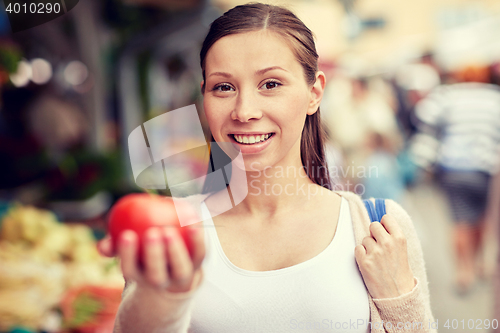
(477, 324)
(33, 8)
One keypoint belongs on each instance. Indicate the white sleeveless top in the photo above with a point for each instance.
(323, 294)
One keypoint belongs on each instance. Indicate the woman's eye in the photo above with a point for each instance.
(222, 87)
(271, 85)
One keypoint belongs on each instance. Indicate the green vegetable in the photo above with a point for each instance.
(85, 309)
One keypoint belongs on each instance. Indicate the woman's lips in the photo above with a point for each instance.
(252, 148)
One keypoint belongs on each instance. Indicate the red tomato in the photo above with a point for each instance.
(139, 212)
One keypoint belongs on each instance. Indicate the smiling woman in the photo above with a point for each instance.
(256, 87)
(277, 52)
(293, 251)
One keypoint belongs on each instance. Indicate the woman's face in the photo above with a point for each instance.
(257, 98)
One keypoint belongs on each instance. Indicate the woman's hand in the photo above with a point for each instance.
(383, 260)
(168, 265)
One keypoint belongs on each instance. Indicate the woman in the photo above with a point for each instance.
(285, 257)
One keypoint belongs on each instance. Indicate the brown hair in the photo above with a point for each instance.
(257, 16)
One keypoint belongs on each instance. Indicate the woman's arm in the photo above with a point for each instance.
(151, 310)
(413, 307)
(158, 294)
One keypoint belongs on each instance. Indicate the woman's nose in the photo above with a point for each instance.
(246, 108)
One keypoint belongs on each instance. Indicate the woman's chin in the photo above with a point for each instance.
(257, 165)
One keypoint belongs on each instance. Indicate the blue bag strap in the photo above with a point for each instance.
(375, 211)
(371, 210)
(380, 208)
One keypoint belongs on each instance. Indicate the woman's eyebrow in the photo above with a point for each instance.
(220, 74)
(259, 72)
(262, 71)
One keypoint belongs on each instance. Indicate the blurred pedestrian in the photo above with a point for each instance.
(354, 112)
(384, 178)
(494, 221)
(465, 118)
(493, 226)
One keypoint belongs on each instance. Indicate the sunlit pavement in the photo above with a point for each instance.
(428, 209)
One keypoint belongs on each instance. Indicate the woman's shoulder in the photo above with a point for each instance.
(392, 207)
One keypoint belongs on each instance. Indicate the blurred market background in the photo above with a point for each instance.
(73, 89)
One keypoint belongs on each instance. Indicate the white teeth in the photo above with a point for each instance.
(250, 139)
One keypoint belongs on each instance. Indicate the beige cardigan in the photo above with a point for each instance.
(410, 309)
(413, 307)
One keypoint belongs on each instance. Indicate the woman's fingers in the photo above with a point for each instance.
(359, 253)
(379, 233)
(197, 246)
(179, 260)
(369, 244)
(391, 225)
(397, 236)
(168, 260)
(387, 233)
(383, 261)
(105, 247)
(154, 259)
(127, 251)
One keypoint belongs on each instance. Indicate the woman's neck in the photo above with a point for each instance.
(273, 189)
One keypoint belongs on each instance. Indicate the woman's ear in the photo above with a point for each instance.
(201, 87)
(317, 90)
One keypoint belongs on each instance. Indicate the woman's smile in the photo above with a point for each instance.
(251, 143)
(251, 139)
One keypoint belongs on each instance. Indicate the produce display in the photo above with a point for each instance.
(52, 277)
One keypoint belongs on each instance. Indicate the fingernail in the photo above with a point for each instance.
(127, 236)
(169, 235)
(153, 235)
